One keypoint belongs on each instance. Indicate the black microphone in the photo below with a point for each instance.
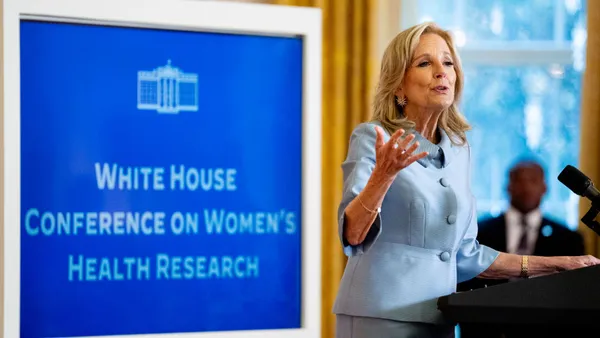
(578, 183)
(583, 186)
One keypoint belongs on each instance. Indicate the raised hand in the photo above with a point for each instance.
(395, 154)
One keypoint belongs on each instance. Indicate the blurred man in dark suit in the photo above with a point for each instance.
(522, 229)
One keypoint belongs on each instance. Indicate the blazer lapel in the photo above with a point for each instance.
(494, 234)
(542, 239)
(501, 234)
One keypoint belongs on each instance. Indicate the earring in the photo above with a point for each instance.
(401, 101)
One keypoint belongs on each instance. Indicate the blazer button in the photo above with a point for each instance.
(444, 182)
(451, 219)
(445, 256)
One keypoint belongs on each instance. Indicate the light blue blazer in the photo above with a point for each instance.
(422, 242)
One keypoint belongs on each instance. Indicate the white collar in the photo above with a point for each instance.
(534, 217)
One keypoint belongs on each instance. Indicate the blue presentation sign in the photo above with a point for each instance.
(160, 181)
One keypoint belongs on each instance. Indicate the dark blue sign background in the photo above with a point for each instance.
(79, 94)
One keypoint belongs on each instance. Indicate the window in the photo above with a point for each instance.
(523, 63)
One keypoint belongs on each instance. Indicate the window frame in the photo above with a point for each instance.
(503, 53)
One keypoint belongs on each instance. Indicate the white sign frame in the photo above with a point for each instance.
(219, 16)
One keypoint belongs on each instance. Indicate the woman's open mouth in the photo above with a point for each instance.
(441, 89)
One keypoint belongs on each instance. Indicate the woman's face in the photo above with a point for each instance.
(430, 77)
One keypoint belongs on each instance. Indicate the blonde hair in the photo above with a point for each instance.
(394, 64)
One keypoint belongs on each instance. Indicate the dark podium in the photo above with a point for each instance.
(565, 304)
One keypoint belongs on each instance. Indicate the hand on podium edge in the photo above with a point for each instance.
(509, 266)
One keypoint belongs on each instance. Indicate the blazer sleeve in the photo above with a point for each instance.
(357, 169)
(472, 258)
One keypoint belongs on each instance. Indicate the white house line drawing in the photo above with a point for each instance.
(168, 90)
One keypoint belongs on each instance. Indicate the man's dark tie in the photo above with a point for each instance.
(522, 248)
